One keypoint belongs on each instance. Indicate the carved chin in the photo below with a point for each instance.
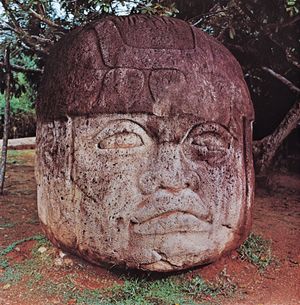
(177, 250)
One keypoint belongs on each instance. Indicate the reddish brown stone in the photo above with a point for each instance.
(144, 145)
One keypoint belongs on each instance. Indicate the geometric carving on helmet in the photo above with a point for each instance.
(121, 88)
(165, 87)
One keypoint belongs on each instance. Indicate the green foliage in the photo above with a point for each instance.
(22, 100)
(292, 7)
(257, 251)
(41, 241)
(222, 286)
(199, 286)
(155, 8)
(10, 275)
(36, 277)
(138, 291)
(3, 263)
(30, 38)
(64, 288)
(7, 225)
(88, 296)
(12, 246)
(18, 105)
(13, 156)
(30, 267)
(19, 157)
(171, 290)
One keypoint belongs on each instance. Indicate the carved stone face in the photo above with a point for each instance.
(162, 184)
(162, 191)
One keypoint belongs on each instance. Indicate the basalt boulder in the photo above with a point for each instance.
(144, 145)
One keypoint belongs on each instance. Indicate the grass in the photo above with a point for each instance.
(10, 275)
(4, 262)
(172, 290)
(133, 291)
(7, 225)
(168, 291)
(13, 274)
(222, 286)
(257, 251)
(181, 290)
(18, 156)
(13, 156)
(137, 292)
(40, 238)
(142, 292)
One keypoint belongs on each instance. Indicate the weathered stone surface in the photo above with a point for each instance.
(144, 145)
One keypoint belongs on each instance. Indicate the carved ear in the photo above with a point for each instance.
(249, 177)
(55, 148)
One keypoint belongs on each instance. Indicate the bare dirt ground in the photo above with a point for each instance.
(34, 272)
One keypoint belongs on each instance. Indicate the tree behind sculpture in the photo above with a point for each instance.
(262, 35)
(6, 119)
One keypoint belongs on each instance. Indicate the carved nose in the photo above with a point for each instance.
(167, 172)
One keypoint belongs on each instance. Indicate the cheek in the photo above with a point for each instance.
(109, 176)
(222, 187)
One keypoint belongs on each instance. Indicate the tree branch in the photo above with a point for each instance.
(9, 12)
(282, 25)
(264, 150)
(42, 39)
(21, 32)
(39, 16)
(285, 81)
(18, 68)
(291, 59)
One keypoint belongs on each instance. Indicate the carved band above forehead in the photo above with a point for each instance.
(131, 29)
(141, 64)
(157, 51)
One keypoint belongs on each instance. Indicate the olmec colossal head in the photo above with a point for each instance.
(144, 145)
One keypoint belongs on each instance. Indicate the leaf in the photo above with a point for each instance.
(291, 2)
(105, 9)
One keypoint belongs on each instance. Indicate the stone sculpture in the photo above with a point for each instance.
(144, 145)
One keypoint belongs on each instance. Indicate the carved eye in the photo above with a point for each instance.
(209, 145)
(208, 142)
(121, 136)
(121, 140)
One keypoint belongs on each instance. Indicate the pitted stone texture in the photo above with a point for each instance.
(139, 64)
(144, 145)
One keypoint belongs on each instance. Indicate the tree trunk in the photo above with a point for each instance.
(6, 120)
(265, 149)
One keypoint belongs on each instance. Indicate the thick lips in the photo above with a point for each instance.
(167, 212)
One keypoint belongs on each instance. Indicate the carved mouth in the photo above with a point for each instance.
(166, 213)
(172, 222)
